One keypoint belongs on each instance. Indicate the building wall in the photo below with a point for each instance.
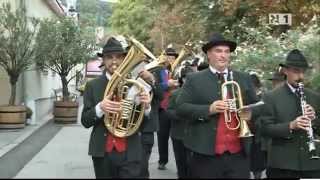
(38, 9)
(36, 84)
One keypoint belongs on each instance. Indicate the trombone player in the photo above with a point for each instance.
(291, 120)
(216, 150)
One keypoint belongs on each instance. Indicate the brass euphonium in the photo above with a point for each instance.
(129, 119)
(235, 104)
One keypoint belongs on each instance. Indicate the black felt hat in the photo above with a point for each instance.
(217, 39)
(112, 46)
(295, 59)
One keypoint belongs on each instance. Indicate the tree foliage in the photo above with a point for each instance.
(133, 17)
(17, 40)
(92, 15)
(176, 24)
(262, 51)
(261, 45)
(60, 47)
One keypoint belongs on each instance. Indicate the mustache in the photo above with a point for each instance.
(295, 83)
(298, 81)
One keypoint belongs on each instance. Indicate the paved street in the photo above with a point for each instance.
(65, 156)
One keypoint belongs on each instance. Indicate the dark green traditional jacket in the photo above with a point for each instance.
(177, 124)
(93, 94)
(288, 150)
(199, 91)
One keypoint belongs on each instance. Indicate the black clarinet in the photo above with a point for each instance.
(311, 140)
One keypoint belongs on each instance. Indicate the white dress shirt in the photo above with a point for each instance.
(225, 76)
(292, 88)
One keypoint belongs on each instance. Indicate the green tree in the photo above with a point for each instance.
(158, 23)
(260, 46)
(262, 51)
(133, 17)
(88, 13)
(60, 47)
(176, 24)
(17, 43)
(88, 17)
(92, 15)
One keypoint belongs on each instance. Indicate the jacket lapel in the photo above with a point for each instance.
(210, 86)
(103, 81)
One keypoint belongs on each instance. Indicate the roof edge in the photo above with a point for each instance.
(56, 7)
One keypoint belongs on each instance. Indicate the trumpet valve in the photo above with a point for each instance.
(232, 106)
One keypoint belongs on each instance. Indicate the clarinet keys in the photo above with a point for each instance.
(311, 139)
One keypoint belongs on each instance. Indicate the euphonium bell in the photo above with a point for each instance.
(235, 104)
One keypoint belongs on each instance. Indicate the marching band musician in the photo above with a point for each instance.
(277, 79)
(150, 125)
(167, 84)
(113, 157)
(216, 151)
(258, 154)
(287, 125)
(178, 127)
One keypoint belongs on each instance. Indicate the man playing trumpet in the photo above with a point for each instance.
(216, 150)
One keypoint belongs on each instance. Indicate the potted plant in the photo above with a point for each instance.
(61, 46)
(16, 55)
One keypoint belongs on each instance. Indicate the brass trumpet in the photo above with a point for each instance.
(235, 104)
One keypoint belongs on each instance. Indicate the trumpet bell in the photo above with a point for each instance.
(244, 130)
